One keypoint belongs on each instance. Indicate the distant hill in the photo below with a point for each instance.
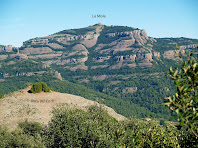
(119, 61)
(21, 105)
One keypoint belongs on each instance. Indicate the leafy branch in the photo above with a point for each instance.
(185, 101)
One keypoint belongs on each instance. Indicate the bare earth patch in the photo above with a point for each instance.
(21, 105)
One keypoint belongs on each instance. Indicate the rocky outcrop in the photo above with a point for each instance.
(118, 65)
(122, 45)
(74, 68)
(100, 46)
(3, 57)
(131, 65)
(156, 54)
(188, 46)
(58, 75)
(36, 41)
(7, 75)
(80, 47)
(101, 59)
(89, 39)
(149, 56)
(19, 56)
(99, 66)
(170, 54)
(8, 48)
(173, 54)
(2, 48)
(129, 90)
(146, 63)
(137, 36)
(69, 37)
(45, 56)
(56, 46)
(66, 61)
(40, 50)
(137, 56)
(102, 77)
(90, 42)
(126, 58)
(140, 37)
(115, 82)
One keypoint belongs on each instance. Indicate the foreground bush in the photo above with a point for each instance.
(148, 134)
(71, 127)
(95, 128)
(40, 86)
(77, 128)
(5, 137)
(185, 101)
(31, 128)
(18, 138)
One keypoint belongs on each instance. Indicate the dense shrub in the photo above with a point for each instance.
(77, 128)
(31, 128)
(71, 127)
(187, 138)
(95, 128)
(17, 138)
(40, 86)
(5, 137)
(162, 122)
(138, 133)
(36, 88)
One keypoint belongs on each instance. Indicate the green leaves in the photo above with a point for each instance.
(40, 86)
(72, 127)
(182, 123)
(185, 102)
(194, 66)
(175, 72)
(171, 69)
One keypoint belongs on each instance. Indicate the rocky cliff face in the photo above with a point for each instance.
(96, 46)
(67, 49)
(8, 48)
(137, 36)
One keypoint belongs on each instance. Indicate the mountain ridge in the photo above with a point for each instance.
(71, 47)
(119, 61)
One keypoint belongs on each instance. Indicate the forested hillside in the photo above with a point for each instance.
(119, 66)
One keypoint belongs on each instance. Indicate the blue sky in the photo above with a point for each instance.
(21, 20)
